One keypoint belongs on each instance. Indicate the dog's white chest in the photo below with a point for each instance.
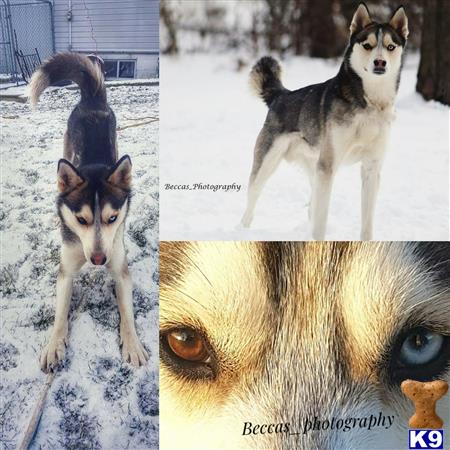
(362, 135)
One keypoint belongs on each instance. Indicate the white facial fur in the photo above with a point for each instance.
(362, 60)
(379, 88)
(95, 239)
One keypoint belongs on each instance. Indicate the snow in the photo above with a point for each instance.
(209, 123)
(96, 400)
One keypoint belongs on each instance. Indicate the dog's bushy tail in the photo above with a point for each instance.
(84, 71)
(265, 79)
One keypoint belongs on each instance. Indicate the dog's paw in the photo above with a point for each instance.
(246, 220)
(53, 353)
(133, 351)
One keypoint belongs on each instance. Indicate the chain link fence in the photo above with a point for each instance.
(24, 28)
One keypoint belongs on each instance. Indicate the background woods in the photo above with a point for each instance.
(315, 28)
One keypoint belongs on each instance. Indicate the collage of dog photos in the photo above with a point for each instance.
(225, 224)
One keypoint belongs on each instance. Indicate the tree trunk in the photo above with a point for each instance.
(433, 78)
(321, 29)
(167, 19)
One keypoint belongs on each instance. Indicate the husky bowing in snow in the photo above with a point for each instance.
(343, 120)
(94, 195)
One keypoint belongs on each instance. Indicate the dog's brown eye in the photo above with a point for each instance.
(112, 219)
(391, 47)
(81, 221)
(188, 345)
(367, 46)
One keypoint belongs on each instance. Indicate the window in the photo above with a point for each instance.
(120, 68)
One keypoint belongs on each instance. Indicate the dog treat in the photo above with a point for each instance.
(424, 396)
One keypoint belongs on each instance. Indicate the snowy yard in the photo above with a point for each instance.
(210, 121)
(96, 400)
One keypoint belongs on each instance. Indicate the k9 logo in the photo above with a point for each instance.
(426, 439)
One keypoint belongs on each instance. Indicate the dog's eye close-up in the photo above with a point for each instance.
(420, 354)
(391, 47)
(112, 219)
(187, 353)
(187, 344)
(421, 347)
(367, 46)
(81, 220)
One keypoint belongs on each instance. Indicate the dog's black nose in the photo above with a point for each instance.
(379, 63)
(98, 259)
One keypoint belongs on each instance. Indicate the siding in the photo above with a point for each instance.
(106, 26)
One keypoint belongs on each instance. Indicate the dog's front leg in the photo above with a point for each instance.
(132, 349)
(72, 258)
(320, 200)
(370, 177)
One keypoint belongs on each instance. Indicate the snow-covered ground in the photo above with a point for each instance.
(96, 400)
(209, 123)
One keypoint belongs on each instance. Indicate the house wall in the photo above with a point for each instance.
(114, 29)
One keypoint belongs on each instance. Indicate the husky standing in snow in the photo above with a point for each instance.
(93, 201)
(341, 121)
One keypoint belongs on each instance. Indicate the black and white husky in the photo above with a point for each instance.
(94, 195)
(341, 121)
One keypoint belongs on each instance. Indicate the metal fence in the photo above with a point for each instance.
(24, 27)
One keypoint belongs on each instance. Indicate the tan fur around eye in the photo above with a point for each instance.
(108, 211)
(387, 40)
(86, 214)
(372, 39)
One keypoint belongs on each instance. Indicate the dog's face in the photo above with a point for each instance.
(376, 49)
(277, 333)
(93, 204)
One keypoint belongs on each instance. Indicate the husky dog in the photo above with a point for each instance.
(341, 121)
(94, 196)
(256, 338)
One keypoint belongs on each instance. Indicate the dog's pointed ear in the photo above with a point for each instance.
(68, 177)
(120, 174)
(361, 19)
(399, 22)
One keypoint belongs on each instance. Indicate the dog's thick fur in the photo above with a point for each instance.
(297, 330)
(94, 196)
(341, 121)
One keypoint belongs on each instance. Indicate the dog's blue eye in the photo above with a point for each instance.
(81, 221)
(391, 47)
(112, 219)
(367, 46)
(421, 347)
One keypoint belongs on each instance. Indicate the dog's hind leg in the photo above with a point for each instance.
(132, 349)
(320, 200)
(370, 177)
(267, 156)
(72, 258)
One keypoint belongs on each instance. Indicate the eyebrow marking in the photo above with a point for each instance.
(371, 39)
(387, 40)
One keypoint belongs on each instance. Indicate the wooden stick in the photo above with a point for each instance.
(138, 118)
(37, 413)
(39, 407)
(137, 124)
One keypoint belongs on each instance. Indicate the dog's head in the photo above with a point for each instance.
(278, 333)
(377, 48)
(92, 205)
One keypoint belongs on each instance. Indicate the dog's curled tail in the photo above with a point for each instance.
(265, 79)
(84, 71)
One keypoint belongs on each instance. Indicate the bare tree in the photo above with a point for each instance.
(276, 23)
(167, 19)
(321, 30)
(433, 79)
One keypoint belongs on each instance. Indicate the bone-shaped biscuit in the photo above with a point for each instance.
(424, 396)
